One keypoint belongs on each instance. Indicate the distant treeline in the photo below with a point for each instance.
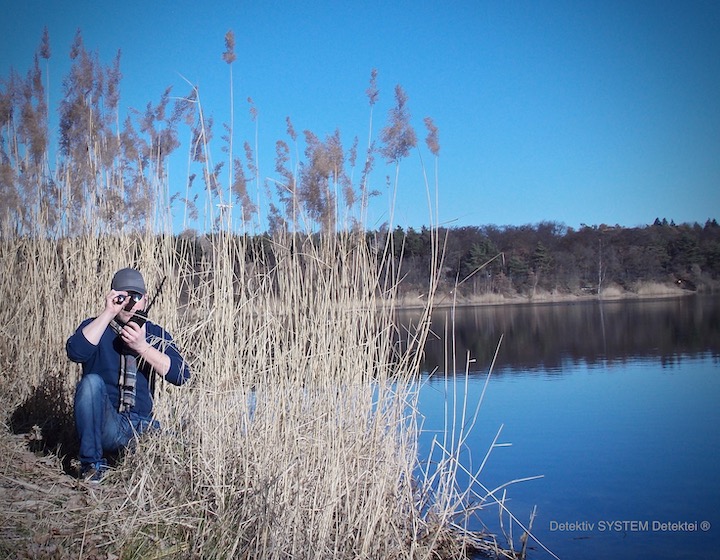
(549, 256)
(524, 260)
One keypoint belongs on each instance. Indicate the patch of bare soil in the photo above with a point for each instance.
(46, 513)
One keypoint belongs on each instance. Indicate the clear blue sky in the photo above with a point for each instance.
(576, 112)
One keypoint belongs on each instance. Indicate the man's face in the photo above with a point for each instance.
(134, 301)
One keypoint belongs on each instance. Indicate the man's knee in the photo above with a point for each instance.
(91, 386)
(91, 381)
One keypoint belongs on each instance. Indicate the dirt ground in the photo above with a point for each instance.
(46, 513)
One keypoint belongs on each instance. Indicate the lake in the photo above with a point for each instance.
(615, 404)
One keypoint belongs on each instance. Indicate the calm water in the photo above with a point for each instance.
(615, 404)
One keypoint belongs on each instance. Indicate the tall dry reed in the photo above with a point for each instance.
(295, 437)
(297, 434)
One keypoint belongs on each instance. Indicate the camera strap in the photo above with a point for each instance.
(145, 314)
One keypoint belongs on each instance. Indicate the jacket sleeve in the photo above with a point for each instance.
(79, 349)
(179, 371)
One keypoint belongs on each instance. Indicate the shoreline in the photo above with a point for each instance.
(612, 294)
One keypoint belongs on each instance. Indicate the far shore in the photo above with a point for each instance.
(611, 293)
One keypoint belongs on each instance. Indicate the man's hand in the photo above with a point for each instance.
(113, 305)
(134, 337)
(94, 330)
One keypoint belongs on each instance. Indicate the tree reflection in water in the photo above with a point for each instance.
(544, 336)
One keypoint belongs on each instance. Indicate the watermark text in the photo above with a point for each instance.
(630, 526)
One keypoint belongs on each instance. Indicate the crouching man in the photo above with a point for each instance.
(121, 353)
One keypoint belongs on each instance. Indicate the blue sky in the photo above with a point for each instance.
(575, 112)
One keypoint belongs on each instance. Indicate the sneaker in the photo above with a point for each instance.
(94, 472)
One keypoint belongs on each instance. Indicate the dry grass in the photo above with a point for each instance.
(297, 436)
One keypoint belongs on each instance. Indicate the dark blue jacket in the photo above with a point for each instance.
(104, 360)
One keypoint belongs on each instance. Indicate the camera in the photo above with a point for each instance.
(139, 318)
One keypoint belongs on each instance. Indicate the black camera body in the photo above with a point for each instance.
(139, 318)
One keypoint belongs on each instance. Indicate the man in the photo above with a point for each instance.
(120, 355)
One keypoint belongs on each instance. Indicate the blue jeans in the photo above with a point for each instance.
(100, 427)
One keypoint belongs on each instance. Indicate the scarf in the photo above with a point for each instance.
(128, 374)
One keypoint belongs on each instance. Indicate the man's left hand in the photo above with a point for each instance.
(134, 337)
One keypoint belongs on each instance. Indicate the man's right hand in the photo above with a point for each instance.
(94, 330)
(113, 303)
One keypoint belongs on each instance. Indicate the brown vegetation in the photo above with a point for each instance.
(297, 435)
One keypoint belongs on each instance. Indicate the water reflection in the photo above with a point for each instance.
(544, 336)
(622, 434)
